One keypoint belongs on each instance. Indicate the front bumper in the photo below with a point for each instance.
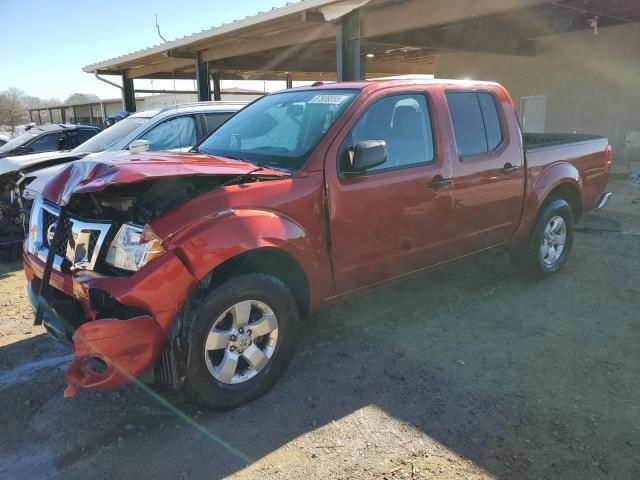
(118, 326)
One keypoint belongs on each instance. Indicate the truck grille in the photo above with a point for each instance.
(79, 245)
(49, 219)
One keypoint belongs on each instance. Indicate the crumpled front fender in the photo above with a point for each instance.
(110, 353)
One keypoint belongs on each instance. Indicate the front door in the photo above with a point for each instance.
(534, 112)
(392, 219)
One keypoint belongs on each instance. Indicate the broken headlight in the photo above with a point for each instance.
(133, 247)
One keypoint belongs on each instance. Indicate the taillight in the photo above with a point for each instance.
(608, 155)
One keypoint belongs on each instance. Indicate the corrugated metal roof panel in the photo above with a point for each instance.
(249, 21)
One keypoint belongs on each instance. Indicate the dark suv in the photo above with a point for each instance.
(48, 138)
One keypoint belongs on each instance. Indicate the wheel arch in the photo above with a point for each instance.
(567, 191)
(559, 180)
(269, 261)
(261, 242)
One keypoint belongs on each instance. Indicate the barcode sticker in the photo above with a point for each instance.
(329, 99)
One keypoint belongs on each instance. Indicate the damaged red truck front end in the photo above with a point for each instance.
(117, 320)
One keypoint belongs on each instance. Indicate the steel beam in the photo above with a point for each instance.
(128, 94)
(203, 81)
(217, 91)
(349, 48)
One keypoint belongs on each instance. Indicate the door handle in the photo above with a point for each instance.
(508, 168)
(439, 182)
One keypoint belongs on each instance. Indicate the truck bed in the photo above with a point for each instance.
(535, 141)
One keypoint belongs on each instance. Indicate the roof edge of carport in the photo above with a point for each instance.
(249, 21)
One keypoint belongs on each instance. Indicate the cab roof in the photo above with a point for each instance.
(403, 80)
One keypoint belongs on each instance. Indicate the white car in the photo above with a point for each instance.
(170, 128)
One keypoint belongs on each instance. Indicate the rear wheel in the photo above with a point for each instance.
(550, 242)
(241, 340)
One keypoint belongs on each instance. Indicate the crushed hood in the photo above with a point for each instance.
(15, 164)
(119, 168)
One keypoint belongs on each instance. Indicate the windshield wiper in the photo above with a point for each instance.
(240, 178)
(260, 165)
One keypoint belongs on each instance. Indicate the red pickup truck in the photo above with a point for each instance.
(194, 269)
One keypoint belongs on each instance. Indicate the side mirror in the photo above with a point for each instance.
(139, 146)
(365, 155)
(23, 150)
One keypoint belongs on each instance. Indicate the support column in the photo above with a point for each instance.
(39, 118)
(217, 91)
(91, 114)
(75, 114)
(128, 94)
(289, 81)
(203, 80)
(63, 115)
(350, 59)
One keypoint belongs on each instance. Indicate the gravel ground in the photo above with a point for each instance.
(469, 373)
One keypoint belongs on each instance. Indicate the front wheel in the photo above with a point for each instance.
(241, 340)
(550, 242)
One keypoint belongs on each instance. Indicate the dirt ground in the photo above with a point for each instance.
(469, 373)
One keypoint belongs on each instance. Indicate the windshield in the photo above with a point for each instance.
(279, 130)
(110, 136)
(20, 140)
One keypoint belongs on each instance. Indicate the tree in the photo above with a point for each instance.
(82, 98)
(12, 108)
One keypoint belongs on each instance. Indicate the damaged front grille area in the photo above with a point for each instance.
(80, 243)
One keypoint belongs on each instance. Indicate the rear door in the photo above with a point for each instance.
(488, 170)
(390, 220)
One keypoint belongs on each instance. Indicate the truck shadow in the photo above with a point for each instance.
(515, 376)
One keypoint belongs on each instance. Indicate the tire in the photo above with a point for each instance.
(226, 306)
(538, 258)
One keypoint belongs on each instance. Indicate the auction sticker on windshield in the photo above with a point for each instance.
(329, 99)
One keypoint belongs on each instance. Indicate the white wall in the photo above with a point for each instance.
(592, 83)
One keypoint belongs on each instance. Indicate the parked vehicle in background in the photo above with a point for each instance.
(4, 139)
(169, 128)
(304, 198)
(48, 138)
(115, 118)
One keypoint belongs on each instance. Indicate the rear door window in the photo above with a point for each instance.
(78, 137)
(491, 120)
(177, 132)
(85, 134)
(476, 122)
(214, 120)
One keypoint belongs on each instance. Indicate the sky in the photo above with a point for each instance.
(46, 43)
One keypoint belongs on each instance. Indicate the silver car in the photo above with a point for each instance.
(176, 128)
